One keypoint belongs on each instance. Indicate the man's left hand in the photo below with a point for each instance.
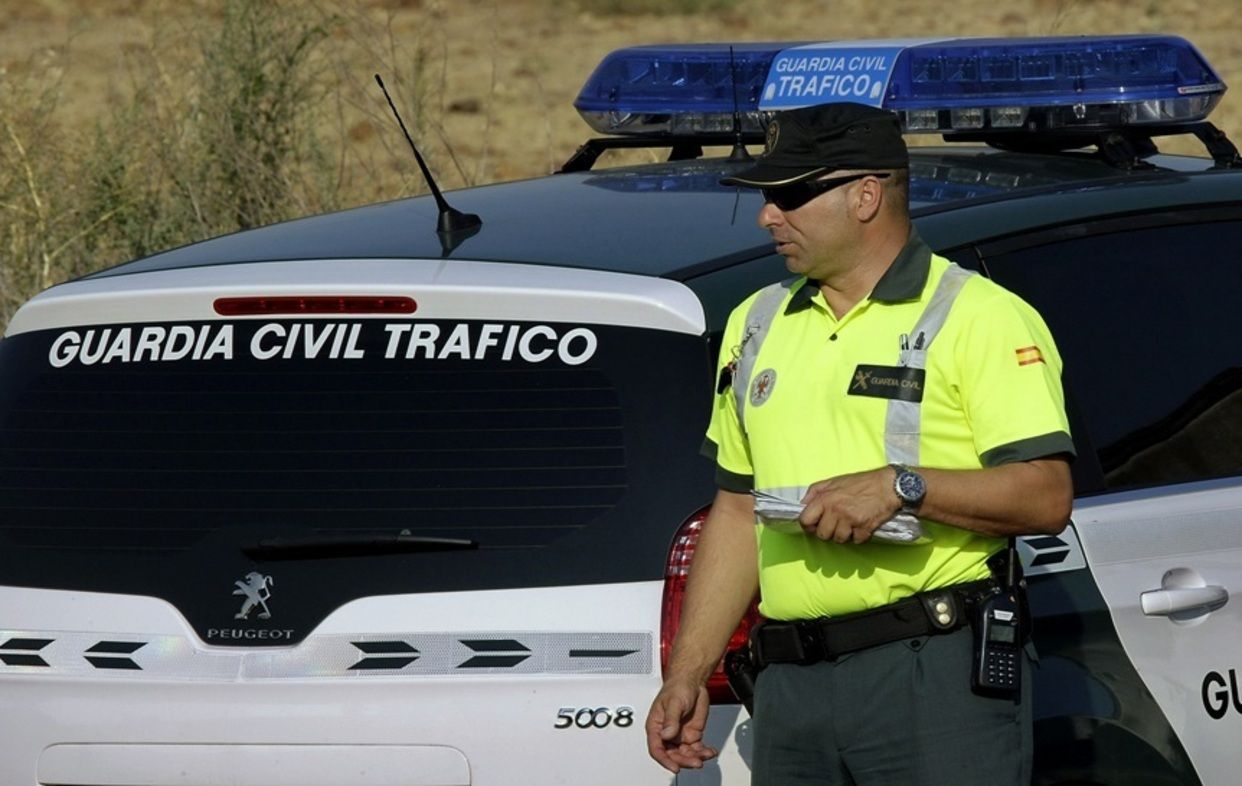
(848, 508)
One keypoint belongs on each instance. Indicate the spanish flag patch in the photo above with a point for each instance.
(1029, 355)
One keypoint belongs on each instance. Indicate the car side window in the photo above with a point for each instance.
(1147, 321)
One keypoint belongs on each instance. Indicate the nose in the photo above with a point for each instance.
(770, 215)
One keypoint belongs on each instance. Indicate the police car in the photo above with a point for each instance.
(349, 500)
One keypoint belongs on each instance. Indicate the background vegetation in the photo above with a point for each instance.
(208, 129)
(131, 126)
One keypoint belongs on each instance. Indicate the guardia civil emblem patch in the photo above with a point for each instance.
(761, 386)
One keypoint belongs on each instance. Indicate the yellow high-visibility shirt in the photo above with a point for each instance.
(816, 403)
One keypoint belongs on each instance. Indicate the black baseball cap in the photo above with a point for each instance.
(809, 142)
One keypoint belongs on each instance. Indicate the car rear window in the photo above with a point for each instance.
(515, 442)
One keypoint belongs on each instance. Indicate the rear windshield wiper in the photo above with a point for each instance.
(331, 546)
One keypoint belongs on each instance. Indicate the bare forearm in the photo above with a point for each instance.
(723, 581)
(1028, 497)
(1023, 498)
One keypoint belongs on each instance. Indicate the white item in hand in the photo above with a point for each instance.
(780, 514)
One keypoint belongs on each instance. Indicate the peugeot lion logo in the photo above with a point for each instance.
(255, 588)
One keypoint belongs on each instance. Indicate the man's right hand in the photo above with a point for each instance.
(675, 727)
(722, 582)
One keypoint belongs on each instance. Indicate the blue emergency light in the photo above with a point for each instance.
(935, 86)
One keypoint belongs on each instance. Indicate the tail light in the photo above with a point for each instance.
(317, 304)
(679, 558)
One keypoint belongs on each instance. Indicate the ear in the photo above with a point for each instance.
(868, 198)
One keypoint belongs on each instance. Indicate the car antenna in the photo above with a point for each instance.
(453, 226)
(740, 153)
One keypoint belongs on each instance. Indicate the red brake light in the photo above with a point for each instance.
(678, 567)
(319, 304)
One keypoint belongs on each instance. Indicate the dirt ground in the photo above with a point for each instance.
(501, 76)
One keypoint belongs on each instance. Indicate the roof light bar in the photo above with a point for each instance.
(681, 89)
(936, 86)
(1085, 82)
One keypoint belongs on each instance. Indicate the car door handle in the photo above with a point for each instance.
(1163, 602)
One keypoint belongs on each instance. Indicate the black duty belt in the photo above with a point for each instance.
(925, 614)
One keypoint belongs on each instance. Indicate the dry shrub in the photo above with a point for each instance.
(223, 142)
(39, 218)
(238, 121)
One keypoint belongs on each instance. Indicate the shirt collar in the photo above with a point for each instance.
(904, 280)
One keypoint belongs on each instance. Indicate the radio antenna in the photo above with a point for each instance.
(740, 153)
(451, 221)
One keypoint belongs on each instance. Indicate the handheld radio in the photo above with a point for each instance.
(997, 666)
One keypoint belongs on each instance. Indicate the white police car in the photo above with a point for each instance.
(349, 501)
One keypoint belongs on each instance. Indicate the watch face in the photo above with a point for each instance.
(910, 486)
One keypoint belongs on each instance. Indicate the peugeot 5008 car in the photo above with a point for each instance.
(350, 500)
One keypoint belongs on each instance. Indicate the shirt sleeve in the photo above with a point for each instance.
(1011, 381)
(726, 442)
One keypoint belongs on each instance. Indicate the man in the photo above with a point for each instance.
(883, 380)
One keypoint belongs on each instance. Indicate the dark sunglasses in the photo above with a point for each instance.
(795, 195)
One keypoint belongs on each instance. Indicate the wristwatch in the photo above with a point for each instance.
(910, 488)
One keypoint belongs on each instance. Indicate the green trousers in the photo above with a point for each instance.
(901, 714)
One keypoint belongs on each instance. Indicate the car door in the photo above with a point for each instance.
(1145, 312)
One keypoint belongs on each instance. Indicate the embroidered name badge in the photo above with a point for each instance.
(893, 382)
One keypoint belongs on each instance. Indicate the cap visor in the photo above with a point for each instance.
(767, 176)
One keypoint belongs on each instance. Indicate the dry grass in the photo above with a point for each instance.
(499, 76)
(93, 95)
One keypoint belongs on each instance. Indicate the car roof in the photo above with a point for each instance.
(1178, 182)
(675, 220)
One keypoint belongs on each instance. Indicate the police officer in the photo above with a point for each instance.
(883, 380)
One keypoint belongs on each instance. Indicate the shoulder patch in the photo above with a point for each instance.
(1029, 355)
